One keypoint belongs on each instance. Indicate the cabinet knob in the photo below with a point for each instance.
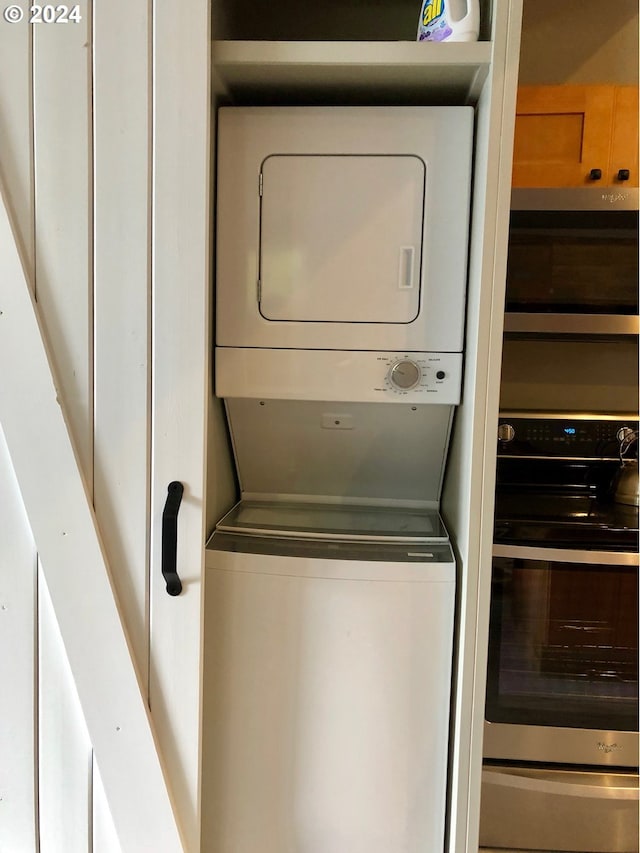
(623, 174)
(595, 174)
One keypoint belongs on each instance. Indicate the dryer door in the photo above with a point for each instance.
(340, 238)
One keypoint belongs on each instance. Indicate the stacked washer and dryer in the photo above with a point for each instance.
(330, 590)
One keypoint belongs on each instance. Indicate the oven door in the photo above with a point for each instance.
(573, 262)
(562, 683)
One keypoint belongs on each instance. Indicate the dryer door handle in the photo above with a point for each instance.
(405, 267)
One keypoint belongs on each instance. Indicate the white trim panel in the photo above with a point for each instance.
(17, 666)
(63, 202)
(64, 751)
(180, 333)
(122, 148)
(17, 550)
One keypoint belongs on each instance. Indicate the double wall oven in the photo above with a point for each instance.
(561, 731)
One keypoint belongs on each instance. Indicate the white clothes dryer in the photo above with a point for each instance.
(343, 228)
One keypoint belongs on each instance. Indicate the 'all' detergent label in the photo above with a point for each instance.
(433, 21)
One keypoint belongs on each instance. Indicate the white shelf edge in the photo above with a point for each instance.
(410, 71)
(374, 53)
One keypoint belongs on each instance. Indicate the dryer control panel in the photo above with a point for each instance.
(419, 374)
(340, 375)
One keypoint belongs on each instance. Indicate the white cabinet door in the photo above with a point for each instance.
(92, 423)
(78, 580)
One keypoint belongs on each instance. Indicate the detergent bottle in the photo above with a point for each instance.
(449, 20)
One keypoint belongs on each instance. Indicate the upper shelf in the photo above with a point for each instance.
(399, 72)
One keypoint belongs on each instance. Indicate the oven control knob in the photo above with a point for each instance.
(404, 374)
(624, 433)
(506, 432)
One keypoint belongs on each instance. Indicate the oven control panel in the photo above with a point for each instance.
(562, 436)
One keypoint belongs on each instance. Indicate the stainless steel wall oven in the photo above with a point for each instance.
(578, 262)
(561, 731)
(573, 262)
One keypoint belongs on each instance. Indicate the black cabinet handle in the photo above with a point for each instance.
(170, 537)
(623, 174)
(595, 174)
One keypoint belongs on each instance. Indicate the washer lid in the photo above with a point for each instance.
(334, 521)
(341, 238)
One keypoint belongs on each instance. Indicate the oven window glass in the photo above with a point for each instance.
(563, 648)
(583, 262)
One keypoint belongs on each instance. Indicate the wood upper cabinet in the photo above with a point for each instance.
(624, 136)
(565, 132)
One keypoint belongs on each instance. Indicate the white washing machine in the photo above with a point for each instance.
(342, 228)
(328, 652)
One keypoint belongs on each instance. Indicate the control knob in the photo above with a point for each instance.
(404, 374)
(506, 432)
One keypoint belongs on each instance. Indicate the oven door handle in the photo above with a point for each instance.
(543, 783)
(567, 555)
